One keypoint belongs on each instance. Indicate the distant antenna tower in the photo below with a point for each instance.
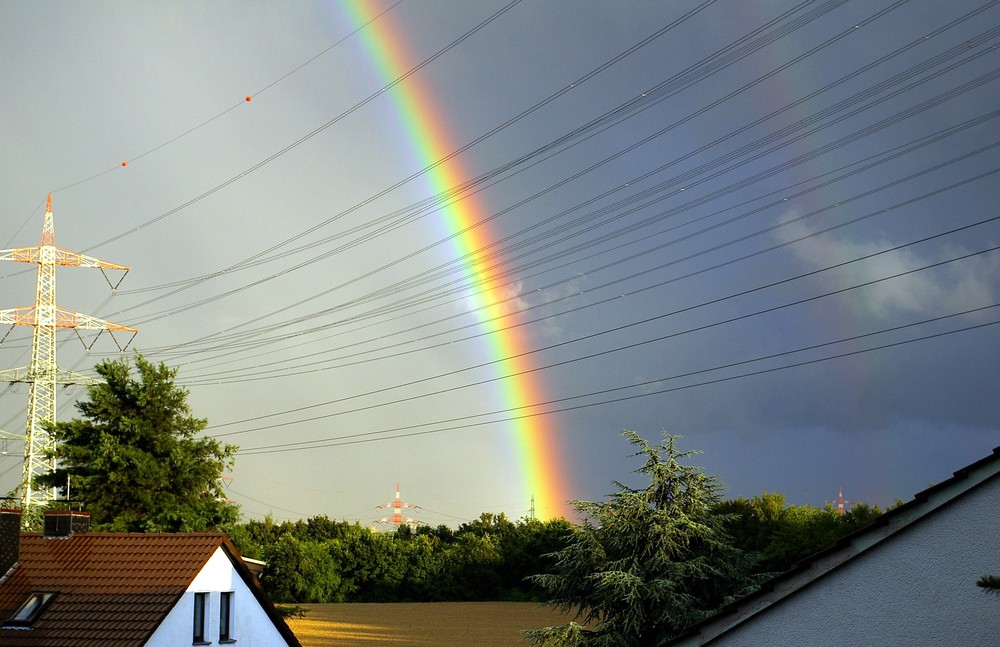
(43, 373)
(841, 509)
(531, 513)
(397, 505)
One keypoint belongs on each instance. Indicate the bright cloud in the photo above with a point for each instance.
(954, 287)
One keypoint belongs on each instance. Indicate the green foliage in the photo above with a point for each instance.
(135, 458)
(375, 563)
(784, 534)
(989, 583)
(486, 559)
(291, 611)
(671, 543)
(301, 571)
(648, 562)
(422, 558)
(471, 567)
(569, 634)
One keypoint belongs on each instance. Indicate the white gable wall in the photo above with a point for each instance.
(251, 627)
(917, 588)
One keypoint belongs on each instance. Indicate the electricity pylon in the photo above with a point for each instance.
(43, 374)
(397, 518)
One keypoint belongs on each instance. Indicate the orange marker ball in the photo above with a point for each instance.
(124, 163)
(249, 97)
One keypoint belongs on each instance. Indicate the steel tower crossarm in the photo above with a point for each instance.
(59, 256)
(22, 374)
(59, 318)
(47, 254)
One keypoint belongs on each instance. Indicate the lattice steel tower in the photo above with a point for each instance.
(397, 519)
(43, 374)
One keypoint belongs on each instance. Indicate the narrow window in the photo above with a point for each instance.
(226, 616)
(199, 617)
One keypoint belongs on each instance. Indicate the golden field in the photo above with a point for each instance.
(439, 624)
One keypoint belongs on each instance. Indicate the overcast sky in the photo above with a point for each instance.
(767, 227)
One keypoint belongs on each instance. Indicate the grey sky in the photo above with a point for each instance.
(659, 230)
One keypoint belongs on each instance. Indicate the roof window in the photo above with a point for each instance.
(30, 609)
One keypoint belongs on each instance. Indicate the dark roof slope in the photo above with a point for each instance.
(112, 588)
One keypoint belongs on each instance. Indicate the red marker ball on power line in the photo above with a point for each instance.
(249, 97)
(124, 163)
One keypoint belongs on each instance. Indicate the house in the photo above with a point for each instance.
(909, 578)
(73, 588)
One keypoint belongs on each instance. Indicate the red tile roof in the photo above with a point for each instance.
(113, 588)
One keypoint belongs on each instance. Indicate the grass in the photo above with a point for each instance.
(438, 624)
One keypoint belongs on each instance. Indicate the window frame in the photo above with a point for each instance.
(226, 617)
(200, 616)
(29, 610)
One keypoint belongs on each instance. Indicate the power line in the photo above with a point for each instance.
(226, 111)
(864, 132)
(739, 185)
(351, 439)
(593, 355)
(547, 100)
(672, 262)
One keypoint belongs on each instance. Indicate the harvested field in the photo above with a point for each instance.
(441, 624)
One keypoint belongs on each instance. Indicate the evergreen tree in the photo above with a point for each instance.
(648, 562)
(134, 457)
(989, 583)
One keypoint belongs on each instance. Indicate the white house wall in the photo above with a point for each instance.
(251, 627)
(917, 588)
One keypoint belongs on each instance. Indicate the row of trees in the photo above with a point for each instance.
(637, 569)
(494, 557)
(713, 550)
(321, 560)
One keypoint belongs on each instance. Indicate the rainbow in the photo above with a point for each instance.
(424, 122)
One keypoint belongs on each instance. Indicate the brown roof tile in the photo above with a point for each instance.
(112, 588)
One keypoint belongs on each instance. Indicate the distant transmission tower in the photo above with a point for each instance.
(841, 509)
(397, 505)
(43, 374)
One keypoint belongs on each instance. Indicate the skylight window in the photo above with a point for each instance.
(29, 611)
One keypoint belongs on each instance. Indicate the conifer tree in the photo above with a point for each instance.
(135, 459)
(648, 562)
(990, 584)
